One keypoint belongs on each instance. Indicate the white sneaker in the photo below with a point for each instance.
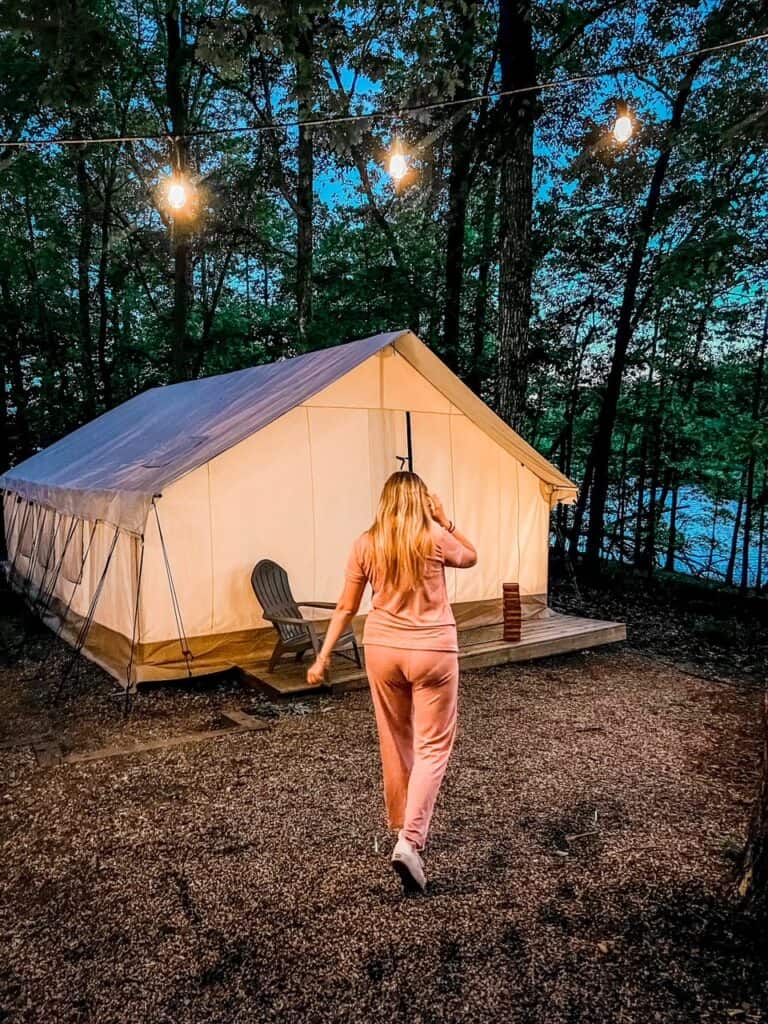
(409, 866)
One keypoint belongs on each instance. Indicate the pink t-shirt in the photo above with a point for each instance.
(419, 619)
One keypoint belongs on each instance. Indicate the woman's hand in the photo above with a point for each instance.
(316, 671)
(438, 512)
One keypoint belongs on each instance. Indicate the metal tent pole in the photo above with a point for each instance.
(134, 640)
(183, 641)
(88, 621)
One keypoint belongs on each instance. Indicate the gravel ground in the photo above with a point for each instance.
(580, 862)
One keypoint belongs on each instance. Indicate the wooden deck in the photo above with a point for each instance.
(480, 648)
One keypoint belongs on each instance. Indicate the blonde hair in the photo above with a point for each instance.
(401, 533)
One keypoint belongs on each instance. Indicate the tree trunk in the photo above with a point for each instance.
(669, 562)
(475, 377)
(753, 881)
(571, 407)
(757, 402)
(638, 541)
(713, 538)
(621, 514)
(518, 71)
(731, 568)
(16, 385)
(657, 515)
(656, 502)
(105, 368)
(458, 192)
(458, 189)
(5, 447)
(648, 552)
(304, 186)
(761, 534)
(84, 284)
(746, 537)
(598, 462)
(176, 57)
(4, 451)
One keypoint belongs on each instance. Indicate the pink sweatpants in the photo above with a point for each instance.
(415, 695)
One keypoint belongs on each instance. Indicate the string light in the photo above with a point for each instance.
(177, 195)
(398, 166)
(374, 115)
(623, 128)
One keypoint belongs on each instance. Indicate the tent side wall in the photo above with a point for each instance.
(58, 563)
(302, 488)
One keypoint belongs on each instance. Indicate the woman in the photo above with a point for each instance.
(411, 653)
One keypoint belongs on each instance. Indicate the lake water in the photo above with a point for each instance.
(697, 554)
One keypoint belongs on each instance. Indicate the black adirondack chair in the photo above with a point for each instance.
(295, 634)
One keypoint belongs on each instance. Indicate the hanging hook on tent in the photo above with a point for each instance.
(406, 461)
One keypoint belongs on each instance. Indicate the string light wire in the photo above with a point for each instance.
(378, 115)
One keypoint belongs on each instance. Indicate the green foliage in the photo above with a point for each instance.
(87, 297)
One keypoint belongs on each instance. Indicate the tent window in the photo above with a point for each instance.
(167, 453)
(72, 565)
(46, 554)
(28, 532)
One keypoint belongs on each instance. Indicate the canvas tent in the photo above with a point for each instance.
(136, 534)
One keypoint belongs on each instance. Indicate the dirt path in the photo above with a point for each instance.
(580, 859)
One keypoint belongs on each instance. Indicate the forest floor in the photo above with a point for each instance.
(581, 861)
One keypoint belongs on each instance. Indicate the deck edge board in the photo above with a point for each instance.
(543, 641)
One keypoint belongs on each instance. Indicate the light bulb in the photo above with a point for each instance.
(177, 195)
(398, 168)
(622, 130)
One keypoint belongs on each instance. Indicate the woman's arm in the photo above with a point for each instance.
(438, 514)
(468, 546)
(345, 611)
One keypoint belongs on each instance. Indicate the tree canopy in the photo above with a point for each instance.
(610, 300)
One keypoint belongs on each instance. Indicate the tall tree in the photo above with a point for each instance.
(756, 414)
(461, 147)
(305, 171)
(178, 55)
(753, 877)
(516, 126)
(597, 471)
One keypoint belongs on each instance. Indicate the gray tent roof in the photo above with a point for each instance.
(110, 468)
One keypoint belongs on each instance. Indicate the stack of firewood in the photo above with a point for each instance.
(512, 613)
